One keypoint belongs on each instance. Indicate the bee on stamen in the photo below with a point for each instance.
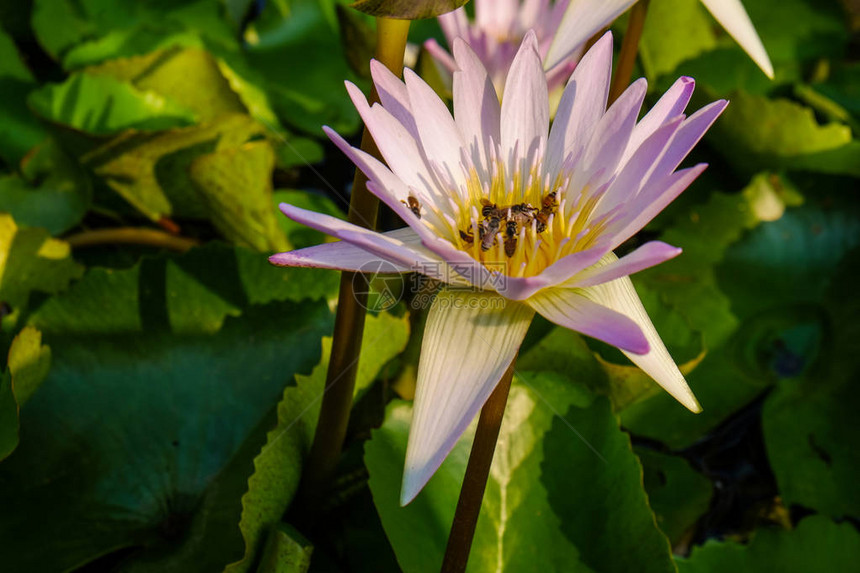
(488, 230)
(413, 205)
(511, 238)
(468, 238)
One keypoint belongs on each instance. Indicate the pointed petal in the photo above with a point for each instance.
(391, 249)
(646, 256)
(620, 296)
(732, 16)
(454, 24)
(469, 342)
(440, 138)
(393, 96)
(582, 103)
(671, 104)
(343, 256)
(572, 309)
(525, 105)
(440, 54)
(612, 133)
(476, 105)
(581, 20)
(653, 199)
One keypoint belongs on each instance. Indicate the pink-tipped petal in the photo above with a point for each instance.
(582, 20)
(440, 54)
(653, 199)
(476, 105)
(582, 104)
(571, 309)
(648, 255)
(469, 341)
(620, 295)
(525, 105)
(612, 132)
(670, 105)
(344, 256)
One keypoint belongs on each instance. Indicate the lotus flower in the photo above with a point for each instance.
(517, 218)
(500, 25)
(562, 29)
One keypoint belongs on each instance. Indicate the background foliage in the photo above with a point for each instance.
(157, 400)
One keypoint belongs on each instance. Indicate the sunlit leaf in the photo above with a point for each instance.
(101, 105)
(675, 30)
(30, 260)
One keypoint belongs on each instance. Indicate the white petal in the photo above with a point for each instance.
(440, 137)
(572, 309)
(581, 20)
(525, 105)
(620, 295)
(732, 16)
(476, 105)
(582, 104)
(469, 342)
(393, 96)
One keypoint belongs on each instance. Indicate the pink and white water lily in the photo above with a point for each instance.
(517, 217)
(563, 28)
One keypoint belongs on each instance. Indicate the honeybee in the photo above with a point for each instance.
(549, 203)
(413, 205)
(489, 228)
(469, 238)
(490, 210)
(510, 238)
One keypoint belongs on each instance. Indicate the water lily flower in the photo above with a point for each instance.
(516, 218)
(500, 25)
(562, 30)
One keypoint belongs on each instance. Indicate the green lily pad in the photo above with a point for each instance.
(53, 192)
(236, 186)
(190, 293)
(156, 430)
(678, 494)
(28, 365)
(30, 260)
(21, 130)
(309, 92)
(817, 544)
(151, 171)
(278, 467)
(551, 502)
(299, 235)
(674, 31)
(101, 105)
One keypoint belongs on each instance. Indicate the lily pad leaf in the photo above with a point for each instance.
(101, 105)
(189, 404)
(185, 294)
(817, 544)
(278, 467)
(21, 129)
(30, 260)
(54, 192)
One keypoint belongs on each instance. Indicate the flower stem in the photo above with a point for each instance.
(132, 236)
(475, 480)
(629, 49)
(349, 320)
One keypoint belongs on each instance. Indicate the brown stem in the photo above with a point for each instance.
(349, 320)
(475, 480)
(133, 236)
(629, 49)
